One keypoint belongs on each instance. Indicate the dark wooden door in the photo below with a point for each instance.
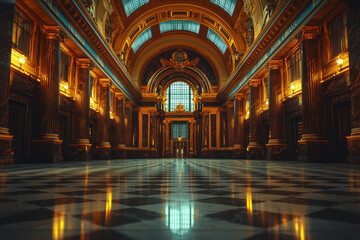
(341, 129)
(17, 127)
(64, 135)
(295, 136)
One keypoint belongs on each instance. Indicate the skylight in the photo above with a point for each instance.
(217, 40)
(180, 25)
(227, 5)
(141, 39)
(131, 5)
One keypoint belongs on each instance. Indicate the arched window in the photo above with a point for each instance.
(179, 92)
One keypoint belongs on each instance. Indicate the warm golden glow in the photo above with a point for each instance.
(66, 87)
(249, 205)
(292, 86)
(58, 226)
(340, 61)
(22, 61)
(267, 102)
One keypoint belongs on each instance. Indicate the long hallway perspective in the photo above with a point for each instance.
(180, 199)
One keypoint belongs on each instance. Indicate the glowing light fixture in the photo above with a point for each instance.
(267, 102)
(292, 86)
(21, 61)
(340, 61)
(66, 87)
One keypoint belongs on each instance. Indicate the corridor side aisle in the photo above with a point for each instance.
(179, 199)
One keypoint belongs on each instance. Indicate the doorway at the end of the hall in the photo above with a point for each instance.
(179, 139)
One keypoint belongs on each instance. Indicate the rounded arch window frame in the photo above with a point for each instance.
(190, 84)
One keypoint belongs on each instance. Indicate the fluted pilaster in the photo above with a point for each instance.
(47, 145)
(7, 10)
(275, 148)
(80, 147)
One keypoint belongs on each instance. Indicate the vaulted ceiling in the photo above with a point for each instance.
(214, 29)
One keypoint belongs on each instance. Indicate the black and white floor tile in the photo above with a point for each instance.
(180, 199)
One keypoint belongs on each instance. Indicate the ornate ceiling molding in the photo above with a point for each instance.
(202, 15)
(184, 41)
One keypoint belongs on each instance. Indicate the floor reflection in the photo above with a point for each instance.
(180, 199)
(180, 216)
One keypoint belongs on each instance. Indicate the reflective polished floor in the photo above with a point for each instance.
(180, 199)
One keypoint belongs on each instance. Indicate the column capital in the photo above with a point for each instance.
(105, 82)
(254, 82)
(307, 32)
(119, 95)
(239, 96)
(52, 32)
(274, 64)
(85, 63)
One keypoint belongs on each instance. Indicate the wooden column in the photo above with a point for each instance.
(230, 123)
(239, 125)
(206, 130)
(353, 18)
(128, 124)
(80, 147)
(312, 146)
(118, 151)
(254, 149)
(47, 145)
(191, 138)
(103, 147)
(275, 148)
(167, 138)
(198, 115)
(7, 10)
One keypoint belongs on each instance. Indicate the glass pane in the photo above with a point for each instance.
(179, 93)
(141, 39)
(180, 25)
(179, 129)
(227, 5)
(217, 40)
(131, 5)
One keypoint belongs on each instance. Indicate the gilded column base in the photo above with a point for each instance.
(276, 150)
(47, 149)
(80, 150)
(239, 152)
(313, 148)
(102, 151)
(118, 152)
(6, 153)
(255, 151)
(354, 146)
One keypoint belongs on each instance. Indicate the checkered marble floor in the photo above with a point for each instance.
(180, 199)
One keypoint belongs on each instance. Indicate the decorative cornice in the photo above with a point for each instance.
(284, 16)
(79, 14)
(274, 64)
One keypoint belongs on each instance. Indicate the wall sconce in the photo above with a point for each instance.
(340, 61)
(292, 88)
(91, 101)
(267, 102)
(21, 61)
(66, 87)
(179, 138)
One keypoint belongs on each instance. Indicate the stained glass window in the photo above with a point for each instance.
(141, 39)
(180, 25)
(217, 40)
(227, 5)
(131, 5)
(179, 92)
